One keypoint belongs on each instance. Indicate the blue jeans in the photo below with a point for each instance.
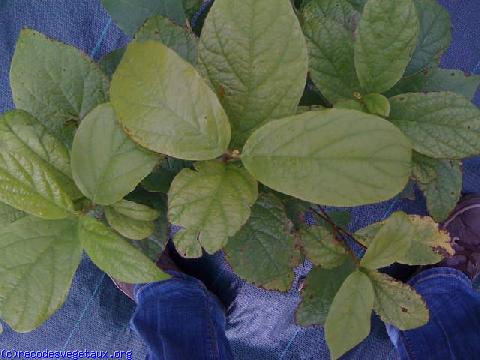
(453, 331)
(180, 319)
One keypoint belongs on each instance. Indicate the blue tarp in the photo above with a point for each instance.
(261, 326)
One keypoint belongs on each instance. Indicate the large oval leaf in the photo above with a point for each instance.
(21, 133)
(166, 106)
(26, 184)
(130, 15)
(334, 157)
(38, 259)
(106, 164)
(348, 321)
(434, 36)
(55, 82)
(212, 203)
(263, 251)
(440, 125)
(387, 36)
(114, 255)
(255, 56)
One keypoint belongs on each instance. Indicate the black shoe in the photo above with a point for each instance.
(464, 228)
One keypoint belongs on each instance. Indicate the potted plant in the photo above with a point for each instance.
(218, 135)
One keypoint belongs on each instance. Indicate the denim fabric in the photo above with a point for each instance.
(180, 319)
(261, 323)
(453, 331)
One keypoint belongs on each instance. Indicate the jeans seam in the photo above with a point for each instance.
(408, 346)
(211, 338)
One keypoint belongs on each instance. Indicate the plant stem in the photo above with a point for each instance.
(322, 214)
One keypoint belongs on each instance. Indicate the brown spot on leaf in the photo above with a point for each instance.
(404, 310)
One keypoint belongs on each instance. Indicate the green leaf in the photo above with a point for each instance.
(321, 286)
(38, 259)
(26, 184)
(263, 251)
(440, 125)
(135, 211)
(348, 321)
(331, 64)
(343, 157)
(254, 54)
(183, 42)
(351, 105)
(59, 87)
(130, 15)
(434, 36)
(358, 4)
(436, 79)
(295, 209)
(340, 11)
(424, 168)
(322, 248)
(392, 241)
(161, 178)
(23, 134)
(427, 241)
(444, 192)
(166, 106)
(212, 202)
(396, 303)
(109, 62)
(154, 245)
(114, 255)
(191, 7)
(132, 220)
(387, 36)
(9, 214)
(106, 164)
(377, 104)
(128, 227)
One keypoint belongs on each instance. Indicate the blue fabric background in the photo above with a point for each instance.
(261, 323)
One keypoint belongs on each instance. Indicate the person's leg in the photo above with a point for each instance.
(453, 331)
(179, 318)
